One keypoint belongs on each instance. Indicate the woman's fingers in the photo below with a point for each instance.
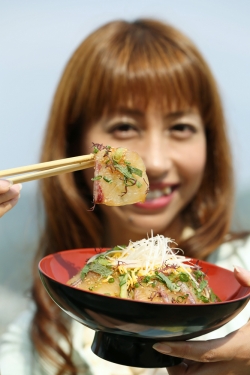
(224, 349)
(205, 351)
(181, 369)
(9, 195)
(5, 186)
(230, 354)
(215, 368)
(242, 275)
(8, 192)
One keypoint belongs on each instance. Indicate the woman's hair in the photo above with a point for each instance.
(125, 62)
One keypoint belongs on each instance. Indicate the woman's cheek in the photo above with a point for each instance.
(194, 162)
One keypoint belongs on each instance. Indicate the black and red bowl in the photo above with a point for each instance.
(126, 329)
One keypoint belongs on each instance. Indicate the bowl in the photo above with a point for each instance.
(125, 330)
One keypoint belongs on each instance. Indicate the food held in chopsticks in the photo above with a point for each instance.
(149, 270)
(120, 176)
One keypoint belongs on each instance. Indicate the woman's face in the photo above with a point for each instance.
(173, 148)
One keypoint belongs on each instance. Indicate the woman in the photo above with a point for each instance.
(9, 195)
(145, 86)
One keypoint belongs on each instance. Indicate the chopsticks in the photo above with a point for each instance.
(48, 169)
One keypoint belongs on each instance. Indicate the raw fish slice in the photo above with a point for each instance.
(150, 294)
(119, 178)
(94, 282)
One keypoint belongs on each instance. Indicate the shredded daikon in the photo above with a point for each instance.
(149, 269)
(149, 254)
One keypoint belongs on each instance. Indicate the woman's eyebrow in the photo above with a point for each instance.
(177, 114)
(130, 111)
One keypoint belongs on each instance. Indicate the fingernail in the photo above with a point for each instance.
(6, 183)
(242, 275)
(17, 187)
(162, 348)
(238, 269)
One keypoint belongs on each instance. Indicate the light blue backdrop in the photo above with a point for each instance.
(36, 40)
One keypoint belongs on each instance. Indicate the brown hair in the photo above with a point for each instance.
(122, 62)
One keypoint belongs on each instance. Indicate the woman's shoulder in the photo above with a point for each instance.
(19, 327)
(17, 354)
(232, 253)
(16, 347)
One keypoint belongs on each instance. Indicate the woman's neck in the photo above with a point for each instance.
(114, 235)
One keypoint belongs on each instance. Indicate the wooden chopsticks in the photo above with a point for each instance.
(48, 169)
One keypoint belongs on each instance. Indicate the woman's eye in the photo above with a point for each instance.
(123, 130)
(182, 130)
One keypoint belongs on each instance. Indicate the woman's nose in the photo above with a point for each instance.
(157, 157)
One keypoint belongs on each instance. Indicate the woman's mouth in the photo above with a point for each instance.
(158, 198)
(158, 193)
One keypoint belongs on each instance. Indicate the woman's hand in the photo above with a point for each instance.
(229, 355)
(9, 195)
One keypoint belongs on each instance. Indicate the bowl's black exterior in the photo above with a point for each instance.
(127, 329)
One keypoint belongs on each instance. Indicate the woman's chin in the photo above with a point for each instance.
(144, 225)
(139, 223)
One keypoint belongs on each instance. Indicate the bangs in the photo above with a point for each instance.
(138, 66)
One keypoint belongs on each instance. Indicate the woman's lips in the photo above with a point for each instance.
(158, 198)
(158, 193)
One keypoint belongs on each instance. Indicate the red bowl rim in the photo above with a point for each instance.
(100, 249)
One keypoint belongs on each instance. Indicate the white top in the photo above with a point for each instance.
(16, 352)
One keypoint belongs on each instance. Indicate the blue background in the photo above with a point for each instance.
(37, 39)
